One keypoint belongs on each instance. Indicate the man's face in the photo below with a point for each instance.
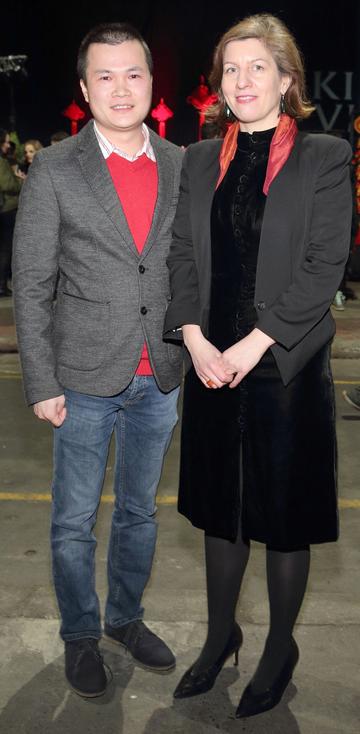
(118, 86)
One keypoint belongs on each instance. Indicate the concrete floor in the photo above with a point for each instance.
(325, 695)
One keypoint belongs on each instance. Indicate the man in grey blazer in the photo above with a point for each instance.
(91, 291)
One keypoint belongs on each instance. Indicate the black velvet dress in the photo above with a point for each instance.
(285, 490)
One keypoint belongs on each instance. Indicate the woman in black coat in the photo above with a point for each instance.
(261, 237)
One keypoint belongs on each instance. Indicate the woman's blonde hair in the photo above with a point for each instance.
(274, 34)
(35, 144)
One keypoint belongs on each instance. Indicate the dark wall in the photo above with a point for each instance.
(182, 36)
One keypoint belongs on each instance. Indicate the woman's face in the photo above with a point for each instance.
(29, 152)
(5, 145)
(252, 84)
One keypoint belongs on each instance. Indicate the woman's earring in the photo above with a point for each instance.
(282, 104)
(227, 111)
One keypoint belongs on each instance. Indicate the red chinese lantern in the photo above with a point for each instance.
(74, 113)
(162, 113)
(201, 99)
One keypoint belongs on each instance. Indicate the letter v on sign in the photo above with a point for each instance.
(328, 124)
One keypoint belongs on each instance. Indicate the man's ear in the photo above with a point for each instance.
(84, 90)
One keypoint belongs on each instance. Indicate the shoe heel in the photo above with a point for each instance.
(236, 657)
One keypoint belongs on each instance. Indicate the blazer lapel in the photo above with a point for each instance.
(165, 168)
(205, 194)
(279, 214)
(205, 190)
(98, 177)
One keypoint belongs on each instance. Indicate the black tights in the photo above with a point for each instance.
(287, 574)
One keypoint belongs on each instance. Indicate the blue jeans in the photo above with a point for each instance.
(143, 419)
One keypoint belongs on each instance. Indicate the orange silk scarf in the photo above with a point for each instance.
(281, 146)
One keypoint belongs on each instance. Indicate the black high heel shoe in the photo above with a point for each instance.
(252, 703)
(192, 684)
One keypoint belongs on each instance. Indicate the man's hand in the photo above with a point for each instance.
(52, 410)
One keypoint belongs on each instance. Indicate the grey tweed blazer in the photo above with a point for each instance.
(72, 240)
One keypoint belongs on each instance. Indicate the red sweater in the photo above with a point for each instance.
(136, 184)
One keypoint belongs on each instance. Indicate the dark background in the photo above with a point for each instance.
(181, 35)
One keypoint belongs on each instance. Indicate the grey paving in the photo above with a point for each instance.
(324, 697)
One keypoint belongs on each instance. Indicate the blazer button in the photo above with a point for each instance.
(141, 269)
(143, 310)
(261, 305)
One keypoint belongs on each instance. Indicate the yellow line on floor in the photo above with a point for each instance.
(346, 382)
(344, 503)
(46, 497)
(108, 499)
(25, 496)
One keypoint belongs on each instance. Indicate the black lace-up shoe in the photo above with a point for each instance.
(146, 648)
(84, 667)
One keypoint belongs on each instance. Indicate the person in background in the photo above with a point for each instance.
(58, 137)
(12, 155)
(261, 237)
(344, 292)
(10, 185)
(31, 147)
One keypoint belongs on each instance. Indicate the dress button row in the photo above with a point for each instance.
(141, 269)
(251, 161)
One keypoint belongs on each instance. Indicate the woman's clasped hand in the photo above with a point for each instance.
(217, 369)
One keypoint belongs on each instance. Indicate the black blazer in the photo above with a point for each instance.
(304, 246)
